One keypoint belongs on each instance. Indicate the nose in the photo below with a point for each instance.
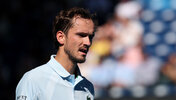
(87, 41)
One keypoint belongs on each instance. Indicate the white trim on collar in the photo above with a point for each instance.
(57, 67)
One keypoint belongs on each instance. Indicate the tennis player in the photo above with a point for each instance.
(60, 77)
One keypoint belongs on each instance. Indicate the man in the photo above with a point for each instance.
(60, 78)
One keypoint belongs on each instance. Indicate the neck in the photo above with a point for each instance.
(64, 60)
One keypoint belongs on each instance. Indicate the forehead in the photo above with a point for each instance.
(82, 24)
(78, 20)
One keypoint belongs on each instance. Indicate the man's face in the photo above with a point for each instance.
(79, 39)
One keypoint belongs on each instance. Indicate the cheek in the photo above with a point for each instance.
(76, 41)
(72, 44)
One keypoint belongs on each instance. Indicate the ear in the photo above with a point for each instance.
(60, 37)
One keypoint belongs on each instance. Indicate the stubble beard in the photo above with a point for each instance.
(73, 57)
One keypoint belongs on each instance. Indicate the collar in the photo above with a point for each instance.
(59, 69)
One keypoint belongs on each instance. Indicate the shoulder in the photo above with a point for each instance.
(85, 84)
(31, 81)
(35, 75)
(38, 71)
(88, 83)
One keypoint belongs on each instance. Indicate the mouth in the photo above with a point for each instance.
(83, 51)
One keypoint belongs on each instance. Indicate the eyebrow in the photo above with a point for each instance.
(85, 33)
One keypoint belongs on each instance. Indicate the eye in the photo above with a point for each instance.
(86, 35)
(91, 37)
(82, 35)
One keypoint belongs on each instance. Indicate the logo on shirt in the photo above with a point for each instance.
(21, 97)
(88, 98)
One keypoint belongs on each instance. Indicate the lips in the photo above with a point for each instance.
(83, 50)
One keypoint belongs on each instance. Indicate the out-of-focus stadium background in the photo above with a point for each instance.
(133, 55)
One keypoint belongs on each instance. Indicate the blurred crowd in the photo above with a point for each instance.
(134, 45)
(124, 53)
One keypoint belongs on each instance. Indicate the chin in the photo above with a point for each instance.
(78, 59)
(81, 60)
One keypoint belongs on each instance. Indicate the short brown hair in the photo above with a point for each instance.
(63, 21)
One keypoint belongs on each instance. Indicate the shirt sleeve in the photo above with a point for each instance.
(26, 88)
